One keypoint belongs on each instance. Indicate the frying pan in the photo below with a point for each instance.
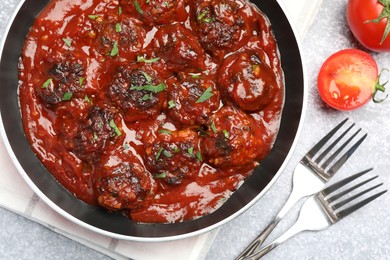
(118, 226)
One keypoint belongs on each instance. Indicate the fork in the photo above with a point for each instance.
(311, 175)
(324, 209)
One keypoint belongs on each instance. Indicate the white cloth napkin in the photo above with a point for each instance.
(18, 197)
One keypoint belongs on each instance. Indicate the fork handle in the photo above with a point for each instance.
(259, 240)
(293, 230)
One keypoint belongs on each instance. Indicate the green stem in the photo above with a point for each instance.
(379, 87)
(384, 14)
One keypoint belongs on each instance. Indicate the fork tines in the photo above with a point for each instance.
(332, 195)
(322, 156)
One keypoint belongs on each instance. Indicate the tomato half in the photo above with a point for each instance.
(347, 79)
(363, 20)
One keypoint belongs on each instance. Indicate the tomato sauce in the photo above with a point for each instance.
(155, 109)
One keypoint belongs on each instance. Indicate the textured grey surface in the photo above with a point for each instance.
(364, 235)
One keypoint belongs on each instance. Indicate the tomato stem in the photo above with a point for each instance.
(384, 14)
(379, 87)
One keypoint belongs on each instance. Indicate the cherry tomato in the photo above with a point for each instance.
(370, 23)
(348, 79)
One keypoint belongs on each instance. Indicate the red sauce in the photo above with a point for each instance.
(155, 109)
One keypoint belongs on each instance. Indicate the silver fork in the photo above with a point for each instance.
(324, 209)
(311, 175)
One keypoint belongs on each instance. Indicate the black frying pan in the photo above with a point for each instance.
(118, 226)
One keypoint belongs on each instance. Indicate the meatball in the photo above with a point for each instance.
(138, 91)
(63, 80)
(156, 12)
(233, 139)
(122, 182)
(247, 80)
(86, 133)
(192, 99)
(220, 25)
(174, 155)
(179, 47)
(119, 38)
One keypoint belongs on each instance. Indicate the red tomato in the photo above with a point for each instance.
(361, 17)
(348, 79)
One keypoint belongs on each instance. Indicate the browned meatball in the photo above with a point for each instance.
(174, 155)
(179, 47)
(220, 25)
(247, 80)
(122, 38)
(192, 99)
(233, 139)
(63, 80)
(86, 132)
(138, 91)
(156, 12)
(122, 182)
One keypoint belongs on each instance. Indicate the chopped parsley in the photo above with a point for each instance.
(93, 16)
(138, 8)
(81, 81)
(147, 77)
(201, 15)
(47, 83)
(191, 150)
(126, 146)
(114, 50)
(212, 126)
(160, 175)
(171, 104)
(199, 156)
(115, 128)
(86, 98)
(146, 97)
(67, 41)
(176, 149)
(118, 27)
(142, 59)
(119, 10)
(206, 95)
(167, 154)
(195, 75)
(152, 88)
(159, 153)
(95, 137)
(67, 96)
(164, 131)
(226, 134)
(166, 4)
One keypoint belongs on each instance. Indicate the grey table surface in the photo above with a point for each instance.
(363, 235)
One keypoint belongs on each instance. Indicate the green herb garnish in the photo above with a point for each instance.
(86, 98)
(142, 59)
(67, 41)
(212, 126)
(164, 131)
(191, 150)
(159, 153)
(95, 137)
(201, 15)
(206, 95)
(93, 16)
(195, 75)
(171, 104)
(199, 156)
(138, 8)
(126, 146)
(167, 154)
(81, 81)
(160, 175)
(147, 77)
(119, 10)
(114, 50)
(146, 97)
(47, 83)
(118, 27)
(226, 134)
(156, 89)
(176, 149)
(67, 96)
(116, 129)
